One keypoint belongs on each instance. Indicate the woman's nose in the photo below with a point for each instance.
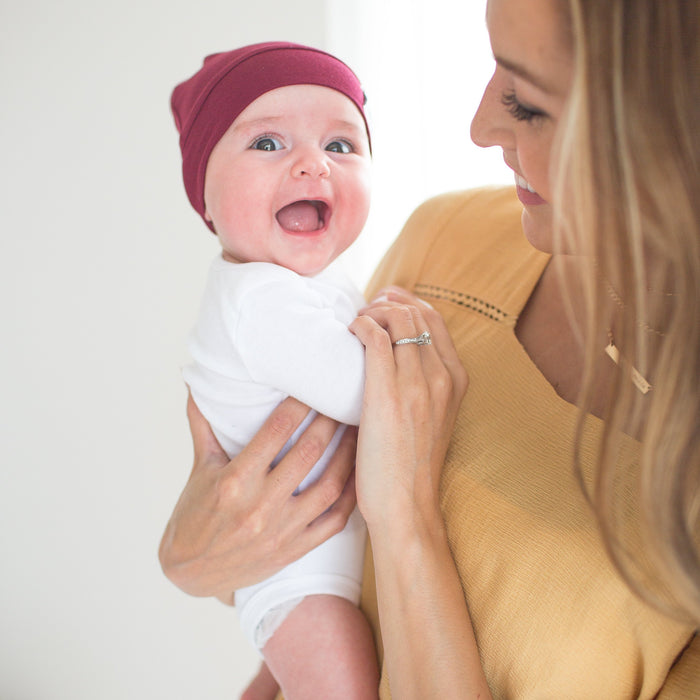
(487, 128)
(310, 162)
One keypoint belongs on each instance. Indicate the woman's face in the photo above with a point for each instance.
(524, 100)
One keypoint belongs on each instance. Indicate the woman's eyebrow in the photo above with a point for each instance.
(525, 74)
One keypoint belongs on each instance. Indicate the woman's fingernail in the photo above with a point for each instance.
(381, 297)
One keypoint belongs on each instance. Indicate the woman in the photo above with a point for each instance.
(491, 537)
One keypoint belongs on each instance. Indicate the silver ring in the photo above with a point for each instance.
(422, 339)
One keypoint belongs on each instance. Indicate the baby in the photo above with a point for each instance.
(276, 160)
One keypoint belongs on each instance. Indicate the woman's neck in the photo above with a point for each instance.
(547, 332)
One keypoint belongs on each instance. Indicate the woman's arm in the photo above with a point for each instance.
(237, 522)
(412, 396)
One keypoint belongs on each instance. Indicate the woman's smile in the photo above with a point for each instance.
(526, 192)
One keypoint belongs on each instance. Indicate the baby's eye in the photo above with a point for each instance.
(267, 143)
(339, 146)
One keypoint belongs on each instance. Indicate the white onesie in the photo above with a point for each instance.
(265, 333)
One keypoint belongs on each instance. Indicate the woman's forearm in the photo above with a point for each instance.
(412, 398)
(429, 643)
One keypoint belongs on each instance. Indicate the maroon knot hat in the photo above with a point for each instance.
(205, 105)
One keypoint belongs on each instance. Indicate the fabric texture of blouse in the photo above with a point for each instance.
(552, 617)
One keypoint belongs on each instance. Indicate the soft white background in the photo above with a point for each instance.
(102, 266)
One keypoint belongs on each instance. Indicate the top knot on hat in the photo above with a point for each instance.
(205, 105)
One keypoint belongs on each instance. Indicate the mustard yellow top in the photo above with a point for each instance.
(552, 617)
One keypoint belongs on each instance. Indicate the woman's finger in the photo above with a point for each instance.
(403, 322)
(441, 353)
(380, 363)
(401, 295)
(334, 519)
(442, 340)
(335, 488)
(323, 508)
(206, 447)
(277, 429)
(307, 450)
(234, 525)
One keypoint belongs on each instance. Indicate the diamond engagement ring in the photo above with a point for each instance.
(422, 339)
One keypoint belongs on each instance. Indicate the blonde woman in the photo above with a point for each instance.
(522, 547)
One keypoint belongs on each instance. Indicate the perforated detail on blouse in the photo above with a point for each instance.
(432, 291)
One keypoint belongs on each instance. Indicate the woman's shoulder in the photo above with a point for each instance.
(482, 219)
(493, 203)
(459, 239)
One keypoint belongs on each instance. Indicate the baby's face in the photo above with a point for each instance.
(289, 182)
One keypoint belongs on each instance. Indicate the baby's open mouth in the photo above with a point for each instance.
(303, 216)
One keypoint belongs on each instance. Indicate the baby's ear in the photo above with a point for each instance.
(210, 222)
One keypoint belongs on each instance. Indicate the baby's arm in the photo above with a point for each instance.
(296, 342)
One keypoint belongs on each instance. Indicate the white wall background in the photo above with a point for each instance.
(101, 269)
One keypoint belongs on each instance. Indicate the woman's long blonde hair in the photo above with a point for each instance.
(628, 197)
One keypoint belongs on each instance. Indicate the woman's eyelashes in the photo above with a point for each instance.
(518, 110)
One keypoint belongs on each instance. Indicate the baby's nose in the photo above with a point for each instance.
(311, 162)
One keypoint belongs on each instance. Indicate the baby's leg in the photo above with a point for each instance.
(262, 687)
(324, 649)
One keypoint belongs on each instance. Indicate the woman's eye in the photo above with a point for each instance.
(267, 143)
(339, 147)
(518, 110)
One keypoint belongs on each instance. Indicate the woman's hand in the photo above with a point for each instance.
(412, 398)
(237, 522)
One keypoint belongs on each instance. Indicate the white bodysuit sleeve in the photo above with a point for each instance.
(296, 339)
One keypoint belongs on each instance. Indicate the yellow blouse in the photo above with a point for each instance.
(552, 617)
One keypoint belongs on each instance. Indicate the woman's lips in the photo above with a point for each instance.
(526, 193)
(303, 216)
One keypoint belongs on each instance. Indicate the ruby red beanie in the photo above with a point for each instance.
(208, 103)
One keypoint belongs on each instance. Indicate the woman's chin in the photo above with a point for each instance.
(537, 226)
